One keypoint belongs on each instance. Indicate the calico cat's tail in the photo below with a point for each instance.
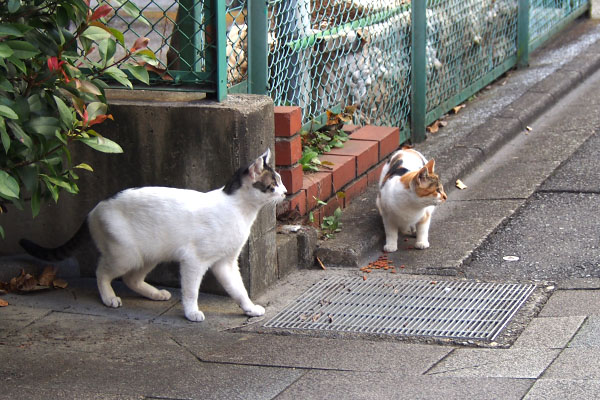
(59, 253)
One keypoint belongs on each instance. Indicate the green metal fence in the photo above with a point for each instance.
(404, 64)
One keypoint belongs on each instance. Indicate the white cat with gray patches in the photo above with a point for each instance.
(138, 228)
(409, 190)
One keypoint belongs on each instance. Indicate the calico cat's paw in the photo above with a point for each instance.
(113, 302)
(255, 311)
(390, 248)
(195, 316)
(421, 245)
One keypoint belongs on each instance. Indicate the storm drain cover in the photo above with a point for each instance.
(442, 309)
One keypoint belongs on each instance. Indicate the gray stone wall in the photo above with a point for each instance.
(168, 140)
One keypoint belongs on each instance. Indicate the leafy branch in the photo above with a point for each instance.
(54, 55)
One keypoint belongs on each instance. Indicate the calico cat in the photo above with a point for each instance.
(138, 228)
(409, 190)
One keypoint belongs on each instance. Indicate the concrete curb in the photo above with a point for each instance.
(458, 155)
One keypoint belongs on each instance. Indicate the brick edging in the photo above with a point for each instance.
(349, 169)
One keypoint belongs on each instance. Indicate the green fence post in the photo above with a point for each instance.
(523, 34)
(257, 46)
(418, 105)
(220, 50)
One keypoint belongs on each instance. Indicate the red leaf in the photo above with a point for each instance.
(101, 12)
(100, 119)
(160, 71)
(140, 43)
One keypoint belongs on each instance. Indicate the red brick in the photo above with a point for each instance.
(288, 120)
(365, 151)
(374, 173)
(343, 169)
(355, 189)
(388, 138)
(288, 151)
(349, 128)
(297, 202)
(317, 186)
(291, 178)
(332, 205)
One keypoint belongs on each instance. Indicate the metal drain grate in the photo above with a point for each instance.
(444, 309)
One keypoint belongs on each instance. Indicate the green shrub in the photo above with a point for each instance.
(52, 56)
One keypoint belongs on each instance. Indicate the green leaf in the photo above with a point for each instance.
(56, 181)
(96, 108)
(9, 187)
(107, 50)
(13, 6)
(29, 176)
(53, 189)
(15, 30)
(66, 113)
(85, 166)
(118, 35)
(20, 134)
(35, 202)
(102, 144)
(119, 76)
(46, 126)
(18, 63)
(8, 112)
(2, 232)
(22, 50)
(95, 33)
(139, 72)
(5, 50)
(6, 85)
(131, 9)
(4, 136)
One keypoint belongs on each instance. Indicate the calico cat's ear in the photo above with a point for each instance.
(430, 166)
(258, 165)
(422, 175)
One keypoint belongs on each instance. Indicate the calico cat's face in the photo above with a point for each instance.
(428, 186)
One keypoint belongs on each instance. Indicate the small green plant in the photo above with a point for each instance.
(323, 140)
(332, 224)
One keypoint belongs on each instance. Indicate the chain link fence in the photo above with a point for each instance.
(326, 54)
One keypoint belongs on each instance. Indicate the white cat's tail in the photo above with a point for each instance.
(81, 237)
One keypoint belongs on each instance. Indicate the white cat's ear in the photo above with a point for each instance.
(430, 166)
(266, 156)
(258, 165)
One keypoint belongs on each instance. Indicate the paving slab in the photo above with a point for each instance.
(549, 332)
(576, 363)
(588, 335)
(384, 386)
(317, 353)
(572, 302)
(544, 389)
(151, 375)
(497, 363)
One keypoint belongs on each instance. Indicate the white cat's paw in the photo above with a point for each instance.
(161, 295)
(195, 316)
(254, 311)
(114, 302)
(390, 248)
(421, 245)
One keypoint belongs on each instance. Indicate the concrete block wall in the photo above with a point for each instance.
(351, 169)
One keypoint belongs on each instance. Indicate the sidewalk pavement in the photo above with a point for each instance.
(66, 344)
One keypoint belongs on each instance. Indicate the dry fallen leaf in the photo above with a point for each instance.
(458, 108)
(60, 283)
(3, 303)
(433, 128)
(47, 276)
(460, 184)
